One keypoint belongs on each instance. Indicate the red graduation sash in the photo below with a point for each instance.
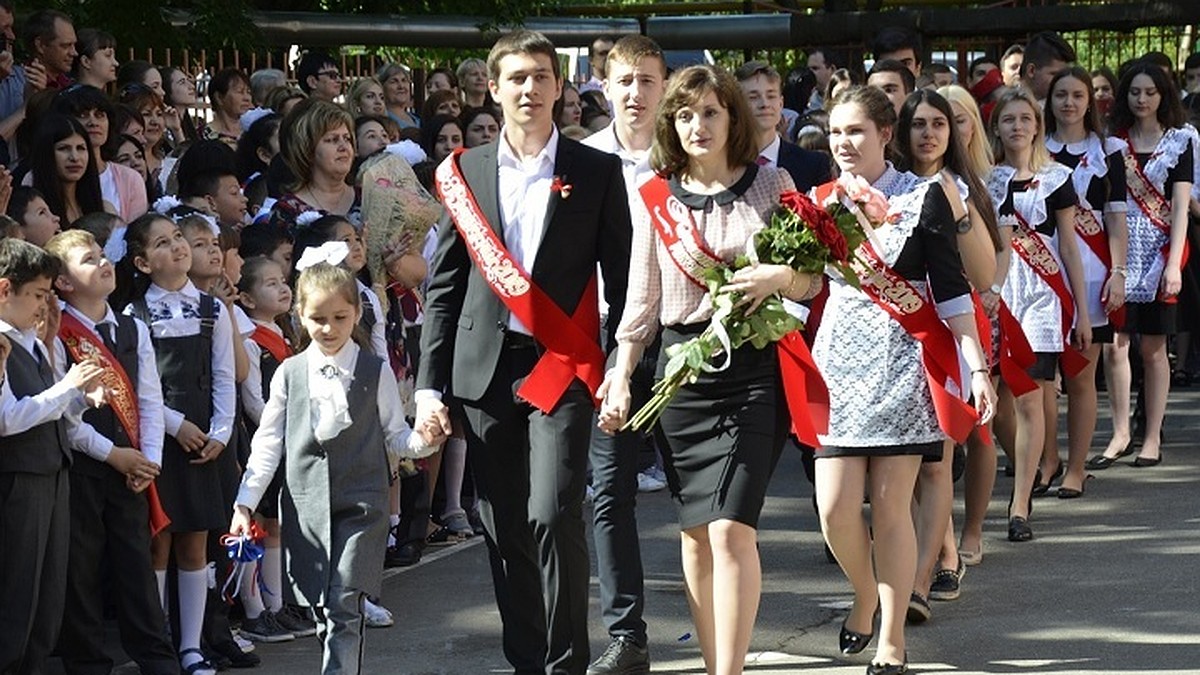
(1016, 355)
(572, 350)
(1091, 231)
(83, 344)
(1153, 203)
(804, 389)
(1027, 244)
(272, 342)
(905, 303)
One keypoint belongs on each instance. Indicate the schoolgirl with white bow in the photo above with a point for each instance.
(193, 340)
(312, 232)
(333, 417)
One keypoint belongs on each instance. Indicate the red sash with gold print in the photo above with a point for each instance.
(804, 389)
(1027, 244)
(1154, 204)
(82, 344)
(904, 302)
(571, 344)
(1091, 231)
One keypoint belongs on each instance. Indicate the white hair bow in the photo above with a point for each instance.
(331, 253)
(163, 205)
(251, 116)
(410, 151)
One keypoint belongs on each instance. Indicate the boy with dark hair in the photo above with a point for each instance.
(34, 488)
(899, 44)
(894, 78)
(1046, 54)
(319, 76)
(762, 85)
(117, 455)
(217, 193)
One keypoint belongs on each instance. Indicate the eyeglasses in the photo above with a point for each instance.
(331, 74)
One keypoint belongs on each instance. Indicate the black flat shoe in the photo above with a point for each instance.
(919, 609)
(1102, 462)
(1040, 488)
(1019, 530)
(1143, 462)
(852, 643)
(887, 669)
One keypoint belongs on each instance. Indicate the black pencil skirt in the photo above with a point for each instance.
(724, 435)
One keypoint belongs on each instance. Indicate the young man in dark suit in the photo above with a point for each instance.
(512, 334)
(762, 85)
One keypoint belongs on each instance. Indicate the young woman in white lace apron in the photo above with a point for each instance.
(1075, 138)
(1159, 173)
(928, 144)
(1044, 286)
(882, 420)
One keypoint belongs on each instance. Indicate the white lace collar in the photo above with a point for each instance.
(1031, 203)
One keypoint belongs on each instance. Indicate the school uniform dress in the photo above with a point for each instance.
(334, 422)
(110, 523)
(1171, 162)
(1098, 176)
(879, 398)
(724, 433)
(34, 503)
(254, 390)
(193, 343)
(1032, 301)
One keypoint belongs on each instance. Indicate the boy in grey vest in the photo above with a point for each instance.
(34, 458)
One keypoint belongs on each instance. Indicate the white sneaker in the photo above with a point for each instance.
(377, 616)
(648, 483)
(657, 473)
(243, 644)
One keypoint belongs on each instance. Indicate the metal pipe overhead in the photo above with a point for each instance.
(714, 31)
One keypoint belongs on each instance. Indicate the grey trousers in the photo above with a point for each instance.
(340, 629)
(35, 527)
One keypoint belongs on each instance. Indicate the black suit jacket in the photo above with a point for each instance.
(807, 168)
(463, 332)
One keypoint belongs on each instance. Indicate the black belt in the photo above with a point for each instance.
(517, 340)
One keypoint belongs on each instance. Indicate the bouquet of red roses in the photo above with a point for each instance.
(801, 234)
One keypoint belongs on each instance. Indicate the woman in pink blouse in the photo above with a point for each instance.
(725, 431)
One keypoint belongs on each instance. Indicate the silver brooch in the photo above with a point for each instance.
(328, 371)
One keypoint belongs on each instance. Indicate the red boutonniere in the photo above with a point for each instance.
(561, 187)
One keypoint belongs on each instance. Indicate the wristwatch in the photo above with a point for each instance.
(994, 288)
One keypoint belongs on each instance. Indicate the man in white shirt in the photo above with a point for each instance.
(511, 331)
(635, 81)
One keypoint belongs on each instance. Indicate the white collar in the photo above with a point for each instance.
(27, 338)
(507, 156)
(189, 291)
(344, 359)
(86, 320)
(771, 152)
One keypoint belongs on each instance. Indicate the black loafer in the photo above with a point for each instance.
(1019, 530)
(887, 669)
(919, 610)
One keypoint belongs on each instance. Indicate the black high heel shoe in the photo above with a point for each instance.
(851, 642)
(1040, 488)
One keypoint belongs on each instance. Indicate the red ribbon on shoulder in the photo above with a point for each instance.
(571, 342)
(272, 342)
(82, 344)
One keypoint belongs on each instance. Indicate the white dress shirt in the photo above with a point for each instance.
(176, 314)
(148, 388)
(267, 447)
(635, 169)
(524, 192)
(22, 414)
(771, 152)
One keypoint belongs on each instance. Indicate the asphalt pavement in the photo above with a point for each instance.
(1109, 585)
